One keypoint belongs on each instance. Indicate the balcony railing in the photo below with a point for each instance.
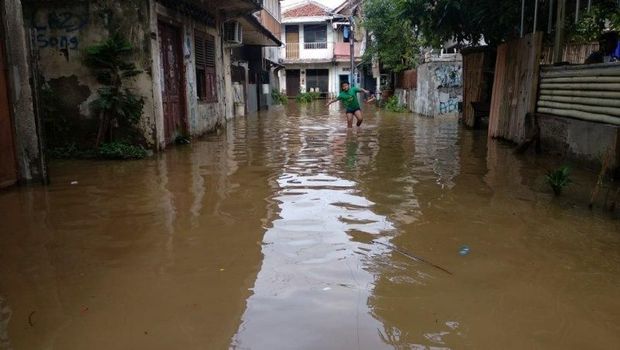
(292, 50)
(314, 46)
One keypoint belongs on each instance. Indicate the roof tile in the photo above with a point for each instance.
(308, 10)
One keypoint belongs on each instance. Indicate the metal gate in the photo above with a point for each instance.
(318, 80)
(173, 81)
(8, 166)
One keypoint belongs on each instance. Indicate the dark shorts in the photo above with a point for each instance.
(352, 111)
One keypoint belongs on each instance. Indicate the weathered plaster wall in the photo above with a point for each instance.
(64, 29)
(439, 88)
(406, 97)
(202, 117)
(27, 142)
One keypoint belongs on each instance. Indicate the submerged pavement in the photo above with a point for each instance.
(289, 231)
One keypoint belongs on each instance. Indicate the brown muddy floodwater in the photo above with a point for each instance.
(287, 231)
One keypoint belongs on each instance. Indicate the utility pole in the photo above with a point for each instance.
(535, 15)
(351, 43)
(522, 17)
(559, 31)
(577, 12)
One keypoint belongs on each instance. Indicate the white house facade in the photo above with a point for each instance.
(315, 55)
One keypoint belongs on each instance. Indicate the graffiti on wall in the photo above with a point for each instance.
(58, 28)
(452, 105)
(449, 102)
(448, 75)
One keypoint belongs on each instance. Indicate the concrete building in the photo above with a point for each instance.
(256, 63)
(440, 85)
(21, 158)
(179, 45)
(316, 56)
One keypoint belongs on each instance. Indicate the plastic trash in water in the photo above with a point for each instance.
(464, 250)
(74, 182)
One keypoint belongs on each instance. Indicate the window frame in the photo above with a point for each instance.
(313, 31)
(205, 67)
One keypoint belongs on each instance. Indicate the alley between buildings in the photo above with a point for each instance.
(288, 231)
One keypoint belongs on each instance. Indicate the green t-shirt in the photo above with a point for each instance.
(349, 98)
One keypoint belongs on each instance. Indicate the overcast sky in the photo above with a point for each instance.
(328, 3)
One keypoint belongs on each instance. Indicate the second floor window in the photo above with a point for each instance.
(316, 34)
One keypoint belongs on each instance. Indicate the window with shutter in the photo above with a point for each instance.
(211, 82)
(206, 84)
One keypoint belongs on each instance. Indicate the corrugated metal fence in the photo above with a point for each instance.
(586, 92)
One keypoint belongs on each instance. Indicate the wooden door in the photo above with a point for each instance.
(292, 82)
(8, 166)
(292, 41)
(172, 81)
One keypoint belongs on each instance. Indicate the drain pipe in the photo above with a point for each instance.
(535, 15)
(577, 11)
(550, 20)
(522, 16)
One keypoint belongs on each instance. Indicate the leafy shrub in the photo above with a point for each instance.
(592, 23)
(558, 179)
(307, 97)
(304, 97)
(121, 150)
(278, 98)
(115, 105)
(314, 95)
(393, 105)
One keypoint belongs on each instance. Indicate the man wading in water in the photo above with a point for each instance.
(348, 96)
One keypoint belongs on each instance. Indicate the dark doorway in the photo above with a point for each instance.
(173, 81)
(292, 82)
(8, 166)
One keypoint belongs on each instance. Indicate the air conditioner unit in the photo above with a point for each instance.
(233, 33)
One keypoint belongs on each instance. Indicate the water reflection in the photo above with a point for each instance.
(136, 255)
(265, 236)
(314, 279)
(5, 318)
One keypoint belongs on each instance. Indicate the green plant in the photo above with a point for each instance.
(121, 150)
(278, 98)
(558, 179)
(307, 97)
(604, 15)
(389, 24)
(393, 105)
(116, 104)
(314, 95)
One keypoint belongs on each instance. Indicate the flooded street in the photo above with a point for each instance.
(288, 231)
